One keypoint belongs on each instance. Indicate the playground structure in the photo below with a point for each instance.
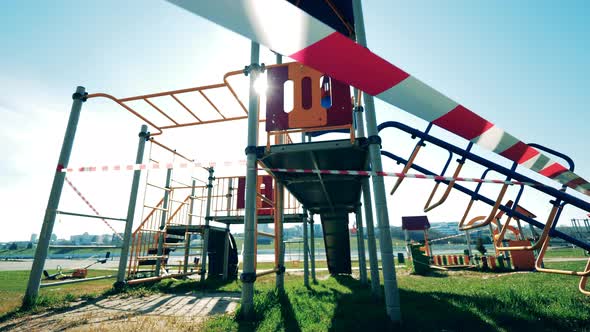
(184, 210)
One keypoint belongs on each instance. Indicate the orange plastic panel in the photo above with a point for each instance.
(522, 260)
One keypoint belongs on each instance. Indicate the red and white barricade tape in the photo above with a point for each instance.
(91, 207)
(399, 175)
(187, 165)
(138, 167)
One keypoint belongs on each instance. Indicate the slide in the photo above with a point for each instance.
(336, 242)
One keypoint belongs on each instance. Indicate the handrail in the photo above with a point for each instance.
(584, 281)
(408, 165)
(513, 208)
(550, 220)
(181, 205)
(471, 224)
(147, 218)
(540, 268)
(488, 201)
(171, 150)
(570, 199)
(445, 195)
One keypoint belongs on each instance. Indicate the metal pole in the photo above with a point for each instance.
(58, 181)
(389, 279)
(312, 249)
(361, 246)
(226, 254)
(279, 219)
(249, 274)
(162, 228)
(371, 242)
(468, 237)
(305, 252)
(279, 252)
(205, 249)
(187, 239)
(372, 245)
(143, 137)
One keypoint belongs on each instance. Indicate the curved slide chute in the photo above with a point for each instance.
(288, 30)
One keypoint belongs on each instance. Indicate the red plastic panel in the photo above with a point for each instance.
(307, 110)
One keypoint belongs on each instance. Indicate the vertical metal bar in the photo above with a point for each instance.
(279, 218)
(187, 239)
(229, 196)
(305, 252)
(360, 237)
(50, 213)
(162, 228)
(226, 254)
(389, 279)
(312, 249)
(468, 239)
(371, 242)
(143, 136)
(205, 249)
(279, 251)
(249, 273)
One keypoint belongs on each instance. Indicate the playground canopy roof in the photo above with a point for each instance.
(337, 14)
(417, 223)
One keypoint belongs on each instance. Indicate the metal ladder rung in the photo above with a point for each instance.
(145, 258)
(155, 207)
(159, 187)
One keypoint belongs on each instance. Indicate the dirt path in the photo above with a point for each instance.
(119, 313)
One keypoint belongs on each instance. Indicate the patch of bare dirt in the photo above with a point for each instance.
(118, 313)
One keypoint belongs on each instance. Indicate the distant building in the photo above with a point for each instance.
(445, 228)
(34, 238)
(83, 239)
(105, 239)
(116, 240)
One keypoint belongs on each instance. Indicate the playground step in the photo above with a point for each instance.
(337, 242)
(174, 239)
(176, 230)
(154, 251)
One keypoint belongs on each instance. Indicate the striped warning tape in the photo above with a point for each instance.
(400, 175)
(137, 167)
(185, 165)
(91, 207)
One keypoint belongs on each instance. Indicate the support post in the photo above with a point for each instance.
(50, 212)
(143, 137)
(249, 273)
(389, 279)
(278, 240)
(360, 237)
(162, 228)
(205, 249)
(187, 236)
(312, 249)
(371, 242)
(468, 238)
(226, 254)
(305, 252)
(279, 219)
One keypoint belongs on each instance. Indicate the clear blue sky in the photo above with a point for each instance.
(522, 65)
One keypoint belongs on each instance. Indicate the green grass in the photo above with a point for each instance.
(452, 302)
(566, 252)
(14, 283)
(66, 251)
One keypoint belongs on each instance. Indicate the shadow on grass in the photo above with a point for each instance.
(182, 286)
(265, 306)
(436, 311)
